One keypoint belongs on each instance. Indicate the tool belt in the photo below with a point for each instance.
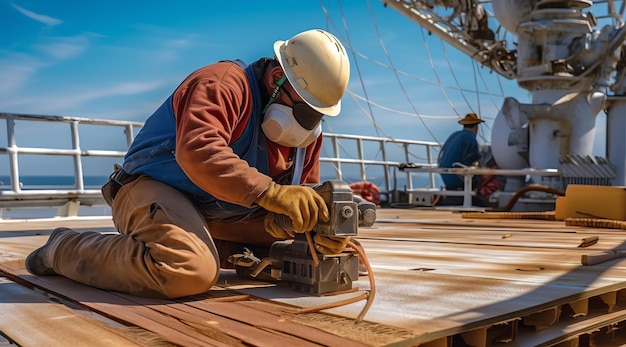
(118, 178)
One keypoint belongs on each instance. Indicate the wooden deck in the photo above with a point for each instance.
(441, 280)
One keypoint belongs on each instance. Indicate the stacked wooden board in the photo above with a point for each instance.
(441, 280)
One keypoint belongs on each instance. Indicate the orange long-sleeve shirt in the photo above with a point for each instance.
(212, 107)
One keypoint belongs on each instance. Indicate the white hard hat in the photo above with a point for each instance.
(318, 68)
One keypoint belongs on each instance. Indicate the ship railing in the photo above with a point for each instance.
(62, 136)
(468, 172)
(355, 158)
(66, 144)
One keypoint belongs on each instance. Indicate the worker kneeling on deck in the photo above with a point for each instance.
(209, 170)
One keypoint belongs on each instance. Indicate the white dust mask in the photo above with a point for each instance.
(280, 126)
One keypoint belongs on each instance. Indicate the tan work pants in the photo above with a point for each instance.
(163, 248)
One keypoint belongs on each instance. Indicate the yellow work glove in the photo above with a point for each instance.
(303, 205)
(330, 245)
(273, 229)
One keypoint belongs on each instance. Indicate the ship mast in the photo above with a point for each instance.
(571, 69)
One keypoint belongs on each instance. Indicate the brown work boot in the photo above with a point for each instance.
(39, 262)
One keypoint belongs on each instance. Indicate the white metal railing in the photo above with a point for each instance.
(69, 198)
(468, 173)
(382, 157)
(368, 153)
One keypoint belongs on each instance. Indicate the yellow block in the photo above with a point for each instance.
(560, 211)
(584, 201)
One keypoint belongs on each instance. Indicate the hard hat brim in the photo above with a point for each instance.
(305, 95)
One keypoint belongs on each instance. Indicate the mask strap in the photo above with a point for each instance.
(298, 166)
(275, 92)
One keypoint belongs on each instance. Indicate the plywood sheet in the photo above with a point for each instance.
(204, 320)
(31, 320)
(437, 275)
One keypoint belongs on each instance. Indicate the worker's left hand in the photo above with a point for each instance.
(330, 245)
(273, 229)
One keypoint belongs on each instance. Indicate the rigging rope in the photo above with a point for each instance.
(370, 108)
(382, 44)
(345, 26)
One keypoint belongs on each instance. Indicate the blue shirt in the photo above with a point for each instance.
(462, 147)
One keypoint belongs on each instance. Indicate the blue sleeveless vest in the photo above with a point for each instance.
(153, 153)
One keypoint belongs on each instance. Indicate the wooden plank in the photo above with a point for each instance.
(197, 319)
(455, 219)
(373, 333)
(111, 305)
(518, 238)
(430, 306)
(437, 276)
(235, 322)
(277, 320)
(539, 266)
(570, 329)
(30, 320)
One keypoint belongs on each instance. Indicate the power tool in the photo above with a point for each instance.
(292, 261)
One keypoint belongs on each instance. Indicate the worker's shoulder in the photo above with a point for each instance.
(459, 134)
(220, 70)
(465, 135)
(225, 74)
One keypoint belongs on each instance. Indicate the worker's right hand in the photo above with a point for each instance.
(303, 205)
(273, 229)
(330, 245)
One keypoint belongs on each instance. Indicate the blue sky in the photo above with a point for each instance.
(121, 59)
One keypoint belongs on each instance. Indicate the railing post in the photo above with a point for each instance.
(429, 159)
(128, 130)
(383, 150)
(12, 149)
(78, 166)
(409, 177)
(359, 145)
(467, 190)
(337, 164)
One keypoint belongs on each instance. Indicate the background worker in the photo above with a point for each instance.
(224, 154)
(460, 149)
